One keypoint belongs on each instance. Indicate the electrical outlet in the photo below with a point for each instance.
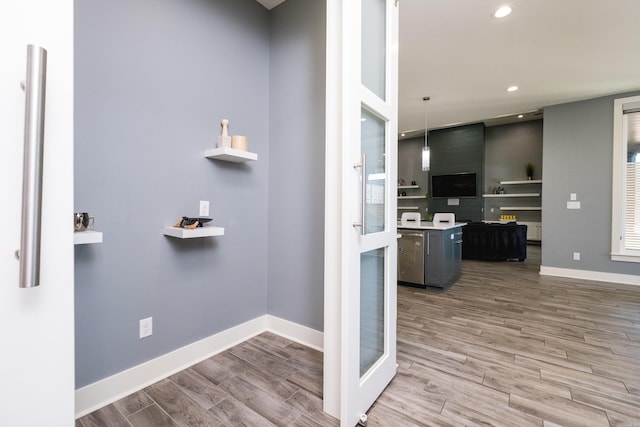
(146, 327)
(576, 256)
(204, 208)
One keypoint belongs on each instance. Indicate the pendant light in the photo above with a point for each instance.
(426, 155)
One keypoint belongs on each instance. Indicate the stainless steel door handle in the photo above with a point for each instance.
(363, 207)
(35, 89)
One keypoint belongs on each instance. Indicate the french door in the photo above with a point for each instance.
(361, 172)
(36, 324)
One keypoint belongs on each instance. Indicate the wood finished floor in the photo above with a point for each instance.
(504, 346)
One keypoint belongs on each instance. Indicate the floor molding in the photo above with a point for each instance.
(600, 276)
(108, 390)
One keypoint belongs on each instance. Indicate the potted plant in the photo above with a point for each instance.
(529, 168)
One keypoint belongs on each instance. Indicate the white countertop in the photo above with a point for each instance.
(427, 225)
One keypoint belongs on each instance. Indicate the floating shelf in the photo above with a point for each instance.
(521, 208)
(86, 237)
(230, 155)
(410, 197)
(513, 195)
(407, 187)
(528, 181)
(181, 233)
(408, 208)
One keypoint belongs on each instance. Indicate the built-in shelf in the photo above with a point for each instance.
(521, 208)
(410, 197)
(408, 208)
(513, 195)
(86, 237)
(407, 187)
(528, 181)
(206, 231)
(230, 155)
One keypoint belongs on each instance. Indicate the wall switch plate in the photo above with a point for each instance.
(576, 256)
(146, 327)
(204, 208)
(573, 196)
(573, 205)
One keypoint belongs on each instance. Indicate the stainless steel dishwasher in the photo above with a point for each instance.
(411, 257)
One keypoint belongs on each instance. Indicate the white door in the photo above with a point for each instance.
(361, 175)
(36, 324)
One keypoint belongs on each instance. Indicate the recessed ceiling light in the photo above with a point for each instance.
(512, 88)
(402, 134)
(502, 12)
(520, 116)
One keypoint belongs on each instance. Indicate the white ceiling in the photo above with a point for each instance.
(556, 51)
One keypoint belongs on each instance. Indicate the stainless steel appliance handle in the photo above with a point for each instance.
(35, 89)
(363, 207)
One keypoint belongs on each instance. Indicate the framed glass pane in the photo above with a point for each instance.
(371, 308)
(373, 45)
(373, 146)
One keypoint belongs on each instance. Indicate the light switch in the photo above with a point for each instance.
(573, 205)
(573, 196)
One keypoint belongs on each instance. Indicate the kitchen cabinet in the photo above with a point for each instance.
(443, 256)
(440, 259)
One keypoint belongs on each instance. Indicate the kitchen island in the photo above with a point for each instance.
(429, 254)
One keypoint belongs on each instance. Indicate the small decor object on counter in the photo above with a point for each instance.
(529, 169)
(239, 142)
(413, 183)
(224, 140)
(191, 223)
(82, 221)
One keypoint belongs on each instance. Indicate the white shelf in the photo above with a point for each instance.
(408, 208)
(521, 208)
(528, 181)
(181, 233)
(410, 197)
(407, 187)
(86, 237)
(230, 155)
(513, 195)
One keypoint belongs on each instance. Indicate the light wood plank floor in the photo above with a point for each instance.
(504, 346)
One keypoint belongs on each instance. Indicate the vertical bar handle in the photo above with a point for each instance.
(363, 206)
(35, 88)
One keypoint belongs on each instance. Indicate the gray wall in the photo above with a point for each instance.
(410, 169)
(457, 150)
(153, 79)
(507, 150)
(578, 159)
(296, 169)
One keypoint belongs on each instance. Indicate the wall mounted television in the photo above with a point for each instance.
(454, 185)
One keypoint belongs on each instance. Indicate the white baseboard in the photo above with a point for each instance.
(108, 390)
(600, 276)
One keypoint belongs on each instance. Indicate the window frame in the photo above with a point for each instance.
(619, 183)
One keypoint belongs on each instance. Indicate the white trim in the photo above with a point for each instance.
(599, 276)
(295, 332)
(108, 390)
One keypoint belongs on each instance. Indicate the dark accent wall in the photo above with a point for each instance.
(153, 79)
(457, 150)
(578, 156)
(296, 169)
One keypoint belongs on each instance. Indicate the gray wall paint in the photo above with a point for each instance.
(153, 79)
(578, 159)
(296, 170)
(456, 150)
(508, 148)
(410, 169)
